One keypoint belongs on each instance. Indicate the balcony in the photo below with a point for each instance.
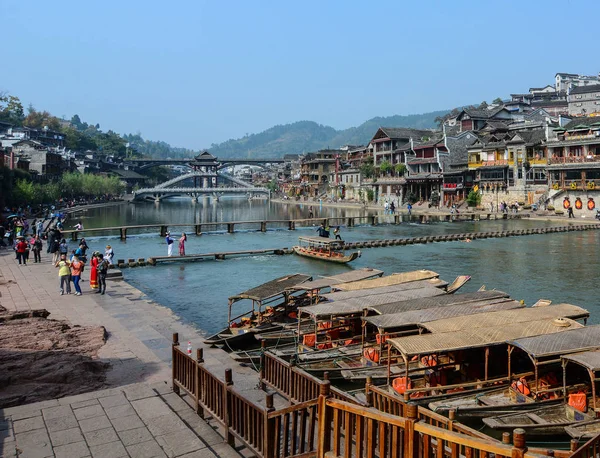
(573, 159)
(575, 185)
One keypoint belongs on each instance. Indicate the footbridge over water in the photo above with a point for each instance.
(204, 180)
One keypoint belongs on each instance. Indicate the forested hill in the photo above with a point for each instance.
(307, 136)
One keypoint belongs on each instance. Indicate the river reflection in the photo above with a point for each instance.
(561, 267)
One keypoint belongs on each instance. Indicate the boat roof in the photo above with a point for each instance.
(465, 339)
(320, 240)
(448, 300)
(499, 317)
(271, 288)
(393, 279)
(345, 295)
(587, 359)
(418, 317)
(396, 301)
(582, 339)
(324, 282)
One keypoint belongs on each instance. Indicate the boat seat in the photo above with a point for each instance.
(537, 418)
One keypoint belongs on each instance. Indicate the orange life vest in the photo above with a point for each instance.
(400, 384)
(429, 361)
(309, 340)
(578, 401)
(521, 386)
(372, 354)
(379, 338)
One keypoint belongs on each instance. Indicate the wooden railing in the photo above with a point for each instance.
(293, 383)
(325, 426)
(591, 449)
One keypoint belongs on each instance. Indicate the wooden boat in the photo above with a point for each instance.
(276, 300)
(584, 431)
(547, 421)
(324, 249)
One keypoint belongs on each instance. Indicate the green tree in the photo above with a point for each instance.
(367, 170)
(272, 186)
(400, 169)
(385, 167)
(71, 184)
(11, 109)
(24, 192)
(40, 119)
(370, 195)
(497, 101)
(473, 199)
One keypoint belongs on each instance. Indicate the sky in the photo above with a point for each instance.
(194, 73)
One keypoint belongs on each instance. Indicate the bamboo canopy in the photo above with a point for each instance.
(419, 317)
(466, 339)
(543, 346)
(498, 318)
(394, 279)
(325, 282)
(271, 288)
(344, 295)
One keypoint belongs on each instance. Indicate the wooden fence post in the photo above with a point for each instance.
(325, 418)
(506, 438)
(227, 408)
(261, 371)
(174, 360)
(270, 435)
(519, 446)
(198, 388)
(574, 444)
(411, 437)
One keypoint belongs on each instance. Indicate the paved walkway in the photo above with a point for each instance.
(139, 350)
(138, 421)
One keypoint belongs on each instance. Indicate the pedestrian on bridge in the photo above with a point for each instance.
(182, 241)
(169, 241)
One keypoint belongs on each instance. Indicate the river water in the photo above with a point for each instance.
(559, 266)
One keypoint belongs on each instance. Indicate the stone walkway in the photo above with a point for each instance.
(139, 351)
(138, 421)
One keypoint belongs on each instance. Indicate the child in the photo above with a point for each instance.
(64, 273)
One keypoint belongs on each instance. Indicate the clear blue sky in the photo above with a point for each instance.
(194, 73)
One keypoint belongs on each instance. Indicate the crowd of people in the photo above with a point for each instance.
(25, 238)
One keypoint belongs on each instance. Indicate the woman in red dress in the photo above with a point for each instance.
(94, 271)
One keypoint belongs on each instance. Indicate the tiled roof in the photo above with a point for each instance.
(586, 89)
(457, 147)
(404, 132)
(585, 121)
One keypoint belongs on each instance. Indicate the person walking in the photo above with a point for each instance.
(102, 271)
(21, 249)
(169, 241)
(36, 243)
(64, 273)
(392, 208)
(40, 228)
(569, 212)
(409, 208)
(182, 241)
(310, 212)
(63, 248)
(76, 269)
(94, 271)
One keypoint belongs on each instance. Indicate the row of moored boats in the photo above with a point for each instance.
(480, 354)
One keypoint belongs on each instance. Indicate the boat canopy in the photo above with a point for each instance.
(479, 338)
(588, 359)
(394, 279)
(395, 300)
(345, 295)
(447, 300)
(325, 282)
(586, 338)
(271, 288)
(500, 317)
(320, 241)
(418, 317)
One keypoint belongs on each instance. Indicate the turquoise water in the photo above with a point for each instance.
(561, 267)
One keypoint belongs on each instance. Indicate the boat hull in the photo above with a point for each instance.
(341, 259)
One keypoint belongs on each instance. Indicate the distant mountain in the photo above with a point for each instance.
(307, 136)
